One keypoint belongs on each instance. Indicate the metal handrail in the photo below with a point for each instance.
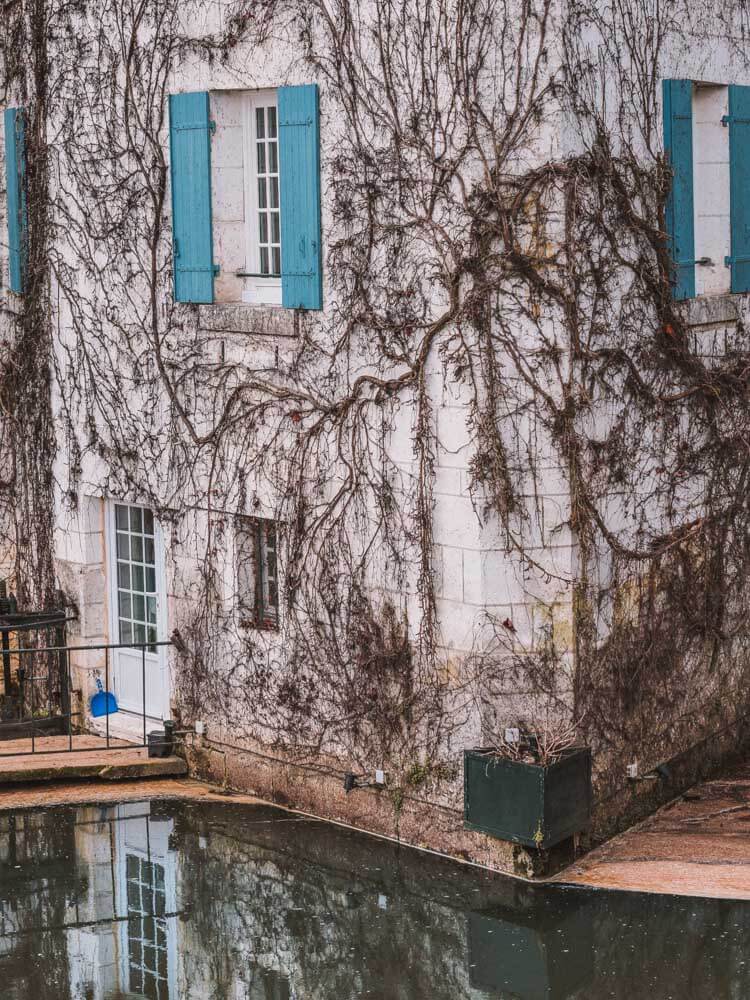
(66, 689)
(87, 649)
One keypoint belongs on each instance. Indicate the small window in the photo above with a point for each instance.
(257, 572)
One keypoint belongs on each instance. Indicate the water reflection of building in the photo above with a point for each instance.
(215, 902)
(207, 905)
(96, 891)
(126, 936)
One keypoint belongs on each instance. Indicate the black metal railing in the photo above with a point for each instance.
(46, 710)
(27, 629)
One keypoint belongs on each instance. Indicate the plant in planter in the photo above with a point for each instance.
(532, 788)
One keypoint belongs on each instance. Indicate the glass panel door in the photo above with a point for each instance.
(136, 574)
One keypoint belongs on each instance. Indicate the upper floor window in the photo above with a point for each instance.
(707, 143)
(245, 170)
(263, 248)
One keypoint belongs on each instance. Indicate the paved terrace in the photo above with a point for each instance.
(698, 845)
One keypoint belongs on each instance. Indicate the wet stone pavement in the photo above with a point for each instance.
(228, 899)
(697, 845)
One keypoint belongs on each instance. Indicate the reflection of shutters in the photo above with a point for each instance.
(15, 173)
(299, 164)
(190, 165)
(678, 145)
(739, 181)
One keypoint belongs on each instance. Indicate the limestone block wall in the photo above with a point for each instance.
(82, 577)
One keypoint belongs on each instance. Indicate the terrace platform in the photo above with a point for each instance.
(53, 761)
(697, 845)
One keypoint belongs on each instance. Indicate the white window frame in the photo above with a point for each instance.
(258, 290)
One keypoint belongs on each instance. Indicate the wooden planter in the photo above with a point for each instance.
(527, 803)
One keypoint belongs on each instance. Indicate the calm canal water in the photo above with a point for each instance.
(179, 901)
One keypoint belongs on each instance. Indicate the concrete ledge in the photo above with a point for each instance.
(113, 765)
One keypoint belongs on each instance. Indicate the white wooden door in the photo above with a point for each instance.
(138, 603)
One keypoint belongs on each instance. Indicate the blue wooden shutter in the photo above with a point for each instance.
(190, 162)
(739, 186)
(299, 165)
(678, 145)
(15, 173)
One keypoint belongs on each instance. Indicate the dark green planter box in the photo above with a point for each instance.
(526, 803)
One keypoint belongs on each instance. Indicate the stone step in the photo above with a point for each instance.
(91, 759)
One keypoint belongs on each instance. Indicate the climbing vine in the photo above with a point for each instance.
(494, 190)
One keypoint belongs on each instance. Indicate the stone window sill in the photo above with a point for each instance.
(709, 310)
(244, 318)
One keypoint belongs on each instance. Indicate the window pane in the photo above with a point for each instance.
(121, 517)
(136, 548)
(139, 607)
(263, 227)
(151, 610)
(274, 192)
(148, 550)
(260, 124)
(261, 192)
(273, 158)
(150, 580)
(139, 634)
(123, 576)
(136, 573)
(126, 632)
(136, 519)
(272, 123)
(148, 522)
(123, 546)
(269, 567)
(125, 605)
(261, 157)
(275, 228)
(276, 261)
(264, 260)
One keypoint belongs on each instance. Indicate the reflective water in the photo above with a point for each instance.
(168, 901)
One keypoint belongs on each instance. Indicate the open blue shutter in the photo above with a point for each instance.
(678, 145)
(739, 186)
(299, 165)
(15, 173)
(190, 163)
